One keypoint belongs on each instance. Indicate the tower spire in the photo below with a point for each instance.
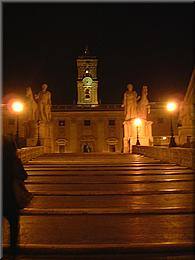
(86, 51)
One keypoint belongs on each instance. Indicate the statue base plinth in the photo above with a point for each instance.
(134, 134)
(45, 134)
(44, 131)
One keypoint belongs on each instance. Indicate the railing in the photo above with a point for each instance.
(58, 108)
(178, 155)
(28, 153)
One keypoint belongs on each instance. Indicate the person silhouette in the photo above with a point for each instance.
(13, 172)
(10, 209)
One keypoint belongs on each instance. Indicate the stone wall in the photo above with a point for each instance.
(28, 153)
(180, 156)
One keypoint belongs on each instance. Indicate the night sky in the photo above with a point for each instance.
(135, 43)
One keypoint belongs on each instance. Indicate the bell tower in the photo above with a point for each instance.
(87, 83)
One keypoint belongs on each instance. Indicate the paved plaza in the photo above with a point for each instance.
(106, 206)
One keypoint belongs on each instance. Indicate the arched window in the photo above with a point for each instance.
(87, 93)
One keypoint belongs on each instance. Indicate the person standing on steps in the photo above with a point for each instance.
(15, 195)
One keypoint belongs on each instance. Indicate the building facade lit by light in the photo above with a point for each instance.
(88, 121)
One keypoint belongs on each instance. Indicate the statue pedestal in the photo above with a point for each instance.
(31, 133)
(130, 134)
(45, 136)
(45, 130)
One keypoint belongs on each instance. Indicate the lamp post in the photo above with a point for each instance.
(17, 107)
(38, 134)
(137, 123)
(171, 106)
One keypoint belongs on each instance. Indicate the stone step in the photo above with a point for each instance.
(70, 172)
(101, 230)
(94, 188)
(104, 167)
(155, 251)
(133, 201)
(97, 163)
(116, 210)
(88, 204)
(160, 254)
(64, 179)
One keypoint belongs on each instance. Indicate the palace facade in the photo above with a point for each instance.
(100, 126)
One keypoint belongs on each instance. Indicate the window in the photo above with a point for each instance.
(189, 139)
(11, 121)
(111, 122)
(61, 122)
(87, 94)
(87, 122)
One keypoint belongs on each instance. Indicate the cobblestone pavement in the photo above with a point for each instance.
(106, 206)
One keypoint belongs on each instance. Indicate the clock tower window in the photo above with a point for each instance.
(87, 73)
(87, 94)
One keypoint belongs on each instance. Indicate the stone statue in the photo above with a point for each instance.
(130, 103)
(143, 107)
(44, 104)
(32, 108)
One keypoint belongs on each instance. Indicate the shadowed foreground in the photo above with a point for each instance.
(104, 206)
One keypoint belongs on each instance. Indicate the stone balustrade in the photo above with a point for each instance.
(180, 156)
(60, 108)
(28, 153)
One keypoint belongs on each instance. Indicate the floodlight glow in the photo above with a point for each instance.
(17, 106)
(171, 106)
(137, 121)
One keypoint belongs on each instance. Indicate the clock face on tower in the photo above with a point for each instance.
(87, 81)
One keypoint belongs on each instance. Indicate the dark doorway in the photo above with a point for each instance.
(112, 148)
(61, 148)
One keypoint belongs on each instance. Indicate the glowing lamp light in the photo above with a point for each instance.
(137, 122)
(171, 106)
(17, 106)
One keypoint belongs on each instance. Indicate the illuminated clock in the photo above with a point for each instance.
(87, 81)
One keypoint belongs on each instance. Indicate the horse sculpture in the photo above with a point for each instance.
(32, 105)
(143, 105)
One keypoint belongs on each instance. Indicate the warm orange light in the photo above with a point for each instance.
(171, 106)
(137, 122)
(17, 106)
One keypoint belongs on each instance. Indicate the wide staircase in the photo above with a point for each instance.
(106, 206)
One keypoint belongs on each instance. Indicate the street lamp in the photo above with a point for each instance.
(17, 107)
(137, 123)
(171, 106)
(38, 134)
